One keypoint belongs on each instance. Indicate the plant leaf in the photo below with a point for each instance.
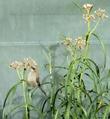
(103, 48)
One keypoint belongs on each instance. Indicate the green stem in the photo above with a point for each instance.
(22, 77)
(89, 32)
(25, 96)
(95, 27)
(25, 100)
(67, 114)
(19, 75)
(83, 57)
(52, 85)
(69, 88)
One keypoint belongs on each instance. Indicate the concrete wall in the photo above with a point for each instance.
(24, 24)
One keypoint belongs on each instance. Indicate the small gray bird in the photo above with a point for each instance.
(33, 78)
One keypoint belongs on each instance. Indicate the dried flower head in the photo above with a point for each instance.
(101, 13)
(16, 65)
(88, 7)
(67, 41)
(29, 63)
(88, 18)
(80, 42)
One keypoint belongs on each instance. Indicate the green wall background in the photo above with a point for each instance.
(24, 24)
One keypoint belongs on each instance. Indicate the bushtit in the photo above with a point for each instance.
(33, 78)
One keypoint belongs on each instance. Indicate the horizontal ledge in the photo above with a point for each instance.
(40, 43)
(43, 14)
(26, 43)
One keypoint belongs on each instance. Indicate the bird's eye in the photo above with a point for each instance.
(33, 68)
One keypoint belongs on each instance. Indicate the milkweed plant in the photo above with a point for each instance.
(68, 97)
